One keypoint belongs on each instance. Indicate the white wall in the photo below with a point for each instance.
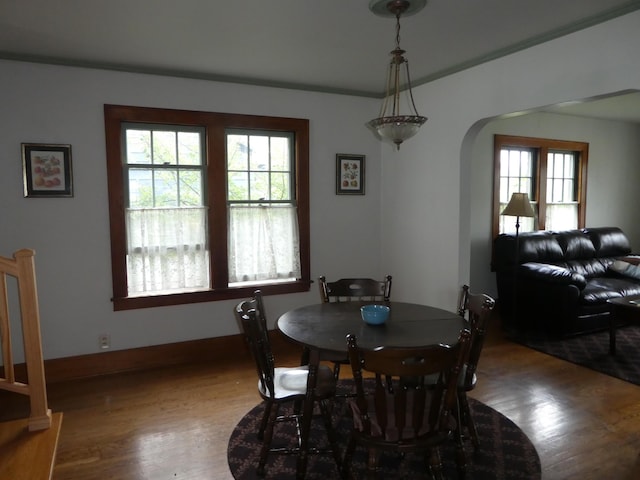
(613, 170)
(53, 104)
(414, 225)
(427, 203)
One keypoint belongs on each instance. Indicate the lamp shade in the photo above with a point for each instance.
(519, 206)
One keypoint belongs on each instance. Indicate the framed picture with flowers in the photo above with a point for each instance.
(349, 174)
(47, 170)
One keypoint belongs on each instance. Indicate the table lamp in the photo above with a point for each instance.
(518, 206)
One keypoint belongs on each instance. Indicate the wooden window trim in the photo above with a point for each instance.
(542, 147)
(215, 125)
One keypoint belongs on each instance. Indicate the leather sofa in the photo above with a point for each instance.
(563, 279)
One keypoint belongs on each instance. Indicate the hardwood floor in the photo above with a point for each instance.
(174, 422)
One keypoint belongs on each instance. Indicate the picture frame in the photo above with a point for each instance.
(350, 174)
(47, 170)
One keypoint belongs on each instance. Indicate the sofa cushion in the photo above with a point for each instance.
(576, 245)
(609, 241)
(552, 273)
(540, 247)
(601, 289)
(594, 267)
(626, 269)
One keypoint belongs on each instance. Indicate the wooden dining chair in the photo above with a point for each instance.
(480, 307)
(350, 290)
(355, 289)
(280, 385)
(399, 415)
(463, 301)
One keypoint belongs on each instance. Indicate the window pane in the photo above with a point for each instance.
(558, 165)
(138, 146)
(140, 188)
(514, 163)
(165, 184)
(191, 188)
(569, 191)
(189, 144)
(280, 156)
(258, 152)
(557, 191)
(259, 186)
(525, 164)
(569, 167)
(280, 186)
(504, 163)
(238, 186)
(164, 148)
(237, 152)
(504, 190)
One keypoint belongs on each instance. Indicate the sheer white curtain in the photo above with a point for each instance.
(167, 249)
(263, 243)
(562, 216)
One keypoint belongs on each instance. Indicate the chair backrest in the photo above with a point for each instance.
(404, 407)
(253, 322)
(463, 301)
(350, 289)
(480, 307)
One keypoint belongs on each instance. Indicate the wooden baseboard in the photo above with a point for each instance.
(105, 363)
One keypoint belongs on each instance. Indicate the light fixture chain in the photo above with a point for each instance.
(398, 30)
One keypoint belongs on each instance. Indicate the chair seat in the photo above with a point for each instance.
(292, 381)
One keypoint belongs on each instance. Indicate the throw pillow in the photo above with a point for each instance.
(625, 268)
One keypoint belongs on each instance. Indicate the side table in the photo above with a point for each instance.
(623, 310)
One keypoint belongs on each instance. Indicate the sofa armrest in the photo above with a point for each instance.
(552, 273)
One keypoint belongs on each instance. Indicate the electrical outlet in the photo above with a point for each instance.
(104, 341)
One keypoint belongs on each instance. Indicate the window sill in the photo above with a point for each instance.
(150, 301)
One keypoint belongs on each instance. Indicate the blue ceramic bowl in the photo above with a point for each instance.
(374, 314)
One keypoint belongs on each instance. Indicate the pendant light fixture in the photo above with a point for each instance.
(393, 125)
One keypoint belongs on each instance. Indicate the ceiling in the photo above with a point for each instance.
(320, 45)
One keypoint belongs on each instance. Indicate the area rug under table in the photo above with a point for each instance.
(592, 351)
(505, 451)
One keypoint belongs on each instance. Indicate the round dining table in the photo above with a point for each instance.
(321, 329)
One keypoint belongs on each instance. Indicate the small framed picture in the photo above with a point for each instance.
(349, 174)
(47, 170)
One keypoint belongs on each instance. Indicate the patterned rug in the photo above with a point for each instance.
(505, 451)
(592, 351)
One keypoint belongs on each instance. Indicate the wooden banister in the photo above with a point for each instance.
(22, 268)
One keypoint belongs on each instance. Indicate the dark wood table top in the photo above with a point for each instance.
(324, 326)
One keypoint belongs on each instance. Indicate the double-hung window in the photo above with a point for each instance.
(205, 206)
(263, 228)
(553, 173)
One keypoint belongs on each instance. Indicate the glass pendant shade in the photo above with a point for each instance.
(397, 129)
